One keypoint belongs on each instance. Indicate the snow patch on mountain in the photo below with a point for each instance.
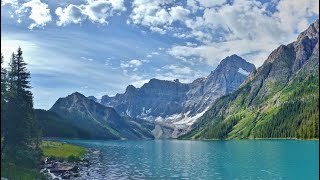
(189, 120)
(244, 72)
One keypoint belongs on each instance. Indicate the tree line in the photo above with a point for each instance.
(20, 134)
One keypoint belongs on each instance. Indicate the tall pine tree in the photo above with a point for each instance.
(3, 96)
(21, 131)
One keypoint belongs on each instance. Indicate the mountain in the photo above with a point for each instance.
(177, 103)
(98, 121)
(94, 99)
(53, 125)
(279, 100)
(225, 79)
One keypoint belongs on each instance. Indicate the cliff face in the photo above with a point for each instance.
(177, 103)
(280, 99)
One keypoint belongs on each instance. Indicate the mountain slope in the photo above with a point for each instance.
(178, 103)
(98, 121)
(53, 125)
(279, 100)
(225, 79)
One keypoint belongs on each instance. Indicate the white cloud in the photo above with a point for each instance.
(193, 5)
(87, 59)
(245, 28)
(70, 14)
(179, 69)
(158, 30)
(158, 15)
(12, 2)
(135, 62)
(294, 15)
(97, 11)
(118, 5)
(40, 13)
(178, 13)
(255, 52)
(132, 65)
(211, 3)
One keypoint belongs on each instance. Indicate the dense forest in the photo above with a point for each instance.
(291, 112)
(20, 134)
(53, 125)
(296, 117)
(278, 100)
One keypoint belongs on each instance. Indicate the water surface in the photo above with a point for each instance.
(175, 159)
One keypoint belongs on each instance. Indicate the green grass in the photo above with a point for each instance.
(61, 150)
(11, 171)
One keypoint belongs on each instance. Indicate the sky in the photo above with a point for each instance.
(98, 47)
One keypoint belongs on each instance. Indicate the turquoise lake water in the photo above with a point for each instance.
(175, 159)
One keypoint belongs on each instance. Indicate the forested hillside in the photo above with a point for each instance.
(279, 100)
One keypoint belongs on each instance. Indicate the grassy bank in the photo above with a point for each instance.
(61, 150)
(22, 171)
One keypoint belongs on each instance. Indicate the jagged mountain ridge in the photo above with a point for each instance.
(280, 99)
(178, 103)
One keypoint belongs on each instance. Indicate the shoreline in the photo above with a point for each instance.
(63, 160)
(297, 139)
(61, 139)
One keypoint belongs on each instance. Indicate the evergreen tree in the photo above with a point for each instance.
(21, 130)
(3, 96)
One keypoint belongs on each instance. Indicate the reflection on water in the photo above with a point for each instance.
(174, 159)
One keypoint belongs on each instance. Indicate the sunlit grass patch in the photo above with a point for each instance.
(62, 150)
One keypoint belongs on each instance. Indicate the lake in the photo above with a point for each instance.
(180, 159)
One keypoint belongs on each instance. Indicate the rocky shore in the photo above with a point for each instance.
(56, 169)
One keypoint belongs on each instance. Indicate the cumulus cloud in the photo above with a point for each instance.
(294, 15)
(216, 28)
(70, 14)
(220, 28)
(213, 53)
(158, 15)
(245, 28)
(97, 11)
(12, 2)
(193, 5)
(133, 65)
(210, 3)
(135, 62)
(179, 69)
(40, 13)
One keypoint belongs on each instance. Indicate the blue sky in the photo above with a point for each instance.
(98, 47)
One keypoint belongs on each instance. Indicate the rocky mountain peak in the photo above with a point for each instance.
(74, 97)
(77, 94)
(94, 99)
(176, 103)
(130, 89)
(234, 62)
(312, 32)
(307, 45)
